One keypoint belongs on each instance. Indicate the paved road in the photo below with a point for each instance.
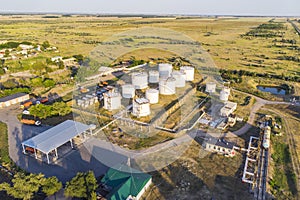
(65, 169)
(257, 105)
(81, 159)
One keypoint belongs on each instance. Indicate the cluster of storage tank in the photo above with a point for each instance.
(224, 94)
(87, 100)
(169, 80)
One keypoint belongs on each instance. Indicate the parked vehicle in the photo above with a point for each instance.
(84, 90)
(44, 100)
(26, 112)
(29, 149)
(26, 104)
(30, 120)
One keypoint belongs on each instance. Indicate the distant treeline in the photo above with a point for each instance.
(50, 16)
(227, 74)
(12, 45)
(269, 30)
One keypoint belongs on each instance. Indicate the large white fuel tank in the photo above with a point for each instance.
(180, 78)
(152, 95)
(141, 107)
(165, 70)
(167, 86)
(210, 87)
(189, 72)
(139, 80)
(224, 94)
(153, 76)
(128, 91)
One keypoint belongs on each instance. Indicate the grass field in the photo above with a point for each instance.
(220, 36)
(193, 176)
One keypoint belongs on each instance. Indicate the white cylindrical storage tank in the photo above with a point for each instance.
(141, 107)
(167, 86)
(165, 70)
(128, 91)
(153, 76)
(152, 95)
(189, 72)
(180, 78)
(139, 80)
(224, 94)
(210, 87)
(112, 100)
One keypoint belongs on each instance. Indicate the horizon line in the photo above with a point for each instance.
(137, 14)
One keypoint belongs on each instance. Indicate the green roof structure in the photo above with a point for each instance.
(124, 182)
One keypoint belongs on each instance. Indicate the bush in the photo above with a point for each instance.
(4, 154)
(43, 111)
(7, 92)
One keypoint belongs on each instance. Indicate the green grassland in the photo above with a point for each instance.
(222, 37)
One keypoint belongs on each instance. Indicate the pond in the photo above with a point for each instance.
(272, 90)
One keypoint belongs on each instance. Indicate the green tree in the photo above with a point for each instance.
(83, 185)
(6, 53)
(39, 67)
(10, 83)
(51, 185)
(43, 111)
(49, 83)
(61, 108)
(61, 64)
(46, 44)
(23, 186)
(36, 82)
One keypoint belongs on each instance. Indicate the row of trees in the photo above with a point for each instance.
(43, 111)
(83, 185)
(26, 186)
(228, 73)
(14, 45)
(268, 30)
(42, 82)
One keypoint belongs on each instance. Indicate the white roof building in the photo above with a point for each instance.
(25, 46)
(228, 108)
(55, 137)
(56, 59)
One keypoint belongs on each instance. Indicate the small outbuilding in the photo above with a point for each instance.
(220, 146)
(13, 99)
(228, 108)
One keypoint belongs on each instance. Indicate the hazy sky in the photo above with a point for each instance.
(201, 7)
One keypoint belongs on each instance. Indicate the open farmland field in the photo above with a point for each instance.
(220, 36)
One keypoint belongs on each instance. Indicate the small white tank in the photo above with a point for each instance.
(153, 76)
(224, 94)
(141, 107)
(139, 80)
(128, 91)
(189, 72)
(152, 95)
(112, 100)
(180, 78)
(210, 87)
(167, 86)
(165, 70)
